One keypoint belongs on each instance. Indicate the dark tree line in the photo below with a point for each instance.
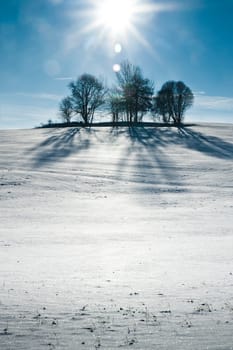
(128, 101)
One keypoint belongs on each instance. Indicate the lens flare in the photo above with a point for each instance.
(117, 48)
(116, 67)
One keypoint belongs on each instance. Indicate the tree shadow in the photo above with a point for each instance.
(146, 155)
(150, 159)
(59, 146)
(210, 145)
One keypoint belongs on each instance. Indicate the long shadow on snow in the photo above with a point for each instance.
(146, 159)
(59, 146)
(210, 145)
(146, 149)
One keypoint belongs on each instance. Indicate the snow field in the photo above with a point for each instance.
(115, 238)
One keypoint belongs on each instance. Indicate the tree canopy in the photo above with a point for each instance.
(87, 94)
(135, 91)
(66, 109)
(172, 101)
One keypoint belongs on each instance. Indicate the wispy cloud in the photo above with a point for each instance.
(40, 96)
(217, 103)
(63, 78)
(25, 116)
(28, 109)
(55, 2)
(197, 93)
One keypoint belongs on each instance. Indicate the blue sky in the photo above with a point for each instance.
(46, 43)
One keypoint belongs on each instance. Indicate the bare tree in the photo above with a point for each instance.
(88, 94)
(136, 91)
(172, 101)
(66, 109)
(115, 103)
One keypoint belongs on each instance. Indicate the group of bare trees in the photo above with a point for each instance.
(132, 97)
(128, 101)
(87, 94)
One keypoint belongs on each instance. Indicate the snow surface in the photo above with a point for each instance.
(116, 238)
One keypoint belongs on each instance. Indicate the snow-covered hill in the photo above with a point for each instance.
(116, 238)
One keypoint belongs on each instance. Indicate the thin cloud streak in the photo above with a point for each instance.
(63, 78)
(55, 2)
(40, 96)
(18, 116)
(218, 103)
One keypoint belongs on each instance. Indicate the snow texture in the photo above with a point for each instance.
(116, 238)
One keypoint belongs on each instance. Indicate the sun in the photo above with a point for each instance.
(116, 15)
(121, 23)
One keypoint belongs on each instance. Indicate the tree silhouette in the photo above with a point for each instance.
(135, 92)
(88, 94)
(116, 105)
(172, 101)
(66, 109)
(129, 100)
